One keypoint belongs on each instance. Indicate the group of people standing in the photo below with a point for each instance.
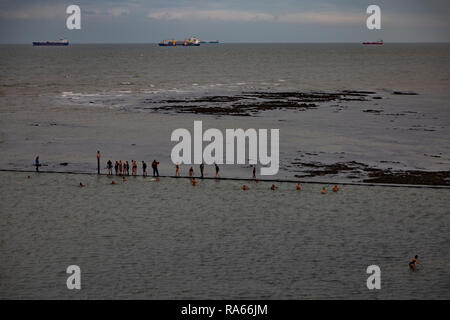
(123, 168)
(191, 170)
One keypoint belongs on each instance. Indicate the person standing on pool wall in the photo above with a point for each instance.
(126, 168)
(116, 167)
(36, 163)
(414, 261)
(109, 166)
(202, 167)
(217, 170)
(144, 169)
(133, 168)
(155, 168)
(98, 161)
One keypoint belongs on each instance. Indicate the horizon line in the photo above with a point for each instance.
(248, 42)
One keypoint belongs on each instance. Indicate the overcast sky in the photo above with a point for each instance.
(124, 21)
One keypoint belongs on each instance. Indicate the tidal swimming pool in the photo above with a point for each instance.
(169, 240)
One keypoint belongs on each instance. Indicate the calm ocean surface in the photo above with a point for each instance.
(423, 68)
(167, 239)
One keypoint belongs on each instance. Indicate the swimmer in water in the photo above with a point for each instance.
(414, 261)
(298, 187)
(81, 185)
(323, 190)
(244, 187)
(28, 177)
(113, 182)
(335, 189)
(191, 172)
(123, 179)
(177, 170)
(194, 182)
(273, 187)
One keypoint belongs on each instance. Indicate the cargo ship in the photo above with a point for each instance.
(379, 42)
(192, 41)
(61, 42)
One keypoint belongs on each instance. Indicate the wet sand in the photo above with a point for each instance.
(126, 101)
(330, 142)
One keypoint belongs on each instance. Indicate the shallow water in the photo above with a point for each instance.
(64, 104)
(167, 239)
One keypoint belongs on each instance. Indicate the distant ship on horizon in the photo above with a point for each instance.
(61, 42)
(192, 41)
(379, 42)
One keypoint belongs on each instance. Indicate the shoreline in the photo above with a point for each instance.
(366, 184)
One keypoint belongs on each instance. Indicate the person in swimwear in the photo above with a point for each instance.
(217, 170)
(323, 190)
(36, 163)
(155, 168)
(134, 164)
(273, 187)
(177, 170)
(414, 261)
(109, 166)
(254, 172)
(116, 167)
(194, 182)
(120, 168)
(81, 185)
(144, 169)
(202, 167)
(244, 187)
(335, 189)
(191, 172)
(298, 187)
(98, 161)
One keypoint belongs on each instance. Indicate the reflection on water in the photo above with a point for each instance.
(167, 239)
